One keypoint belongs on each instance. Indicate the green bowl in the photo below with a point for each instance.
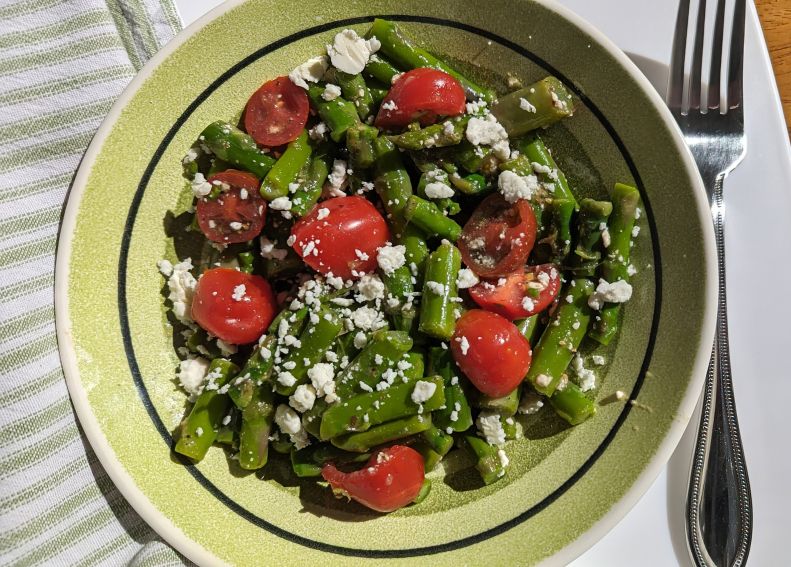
(567, 486)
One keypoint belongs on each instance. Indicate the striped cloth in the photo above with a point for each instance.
(62, 64)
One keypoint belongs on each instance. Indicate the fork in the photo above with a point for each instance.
(719, 504)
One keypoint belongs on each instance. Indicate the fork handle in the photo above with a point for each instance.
(719, 504)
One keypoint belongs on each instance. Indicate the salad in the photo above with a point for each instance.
(394, 268)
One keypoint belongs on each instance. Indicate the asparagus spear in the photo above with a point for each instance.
(360, 413)
(381, 69)
(536, 106)
(487, 458)
(571, 403)
(287, 168)
(615, 266)
(234, 146)
(448, 133)
(406, 55)
(384, 349)
(427, 216)
(310, 189)
(307, 462)
(456, 415)
(592, 217)
(339, 114)
(561, 338)
(355, 90)
(198, 430)
(256, 424)
(363, 441)
(439, 290)
(360, 142)
(533, 148)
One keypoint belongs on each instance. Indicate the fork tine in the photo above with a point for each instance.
(716, 57)
(675, 94)
(695, 77)
(736, 61)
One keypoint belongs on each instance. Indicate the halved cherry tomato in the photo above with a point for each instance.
(391, 479)
(420, 94)
(277, 112)
(343, 240)
(499, 236)
(491, 352)
(524, 293)
(232, 305)
(237, 215)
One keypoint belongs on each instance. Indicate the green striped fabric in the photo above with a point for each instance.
(62, 64)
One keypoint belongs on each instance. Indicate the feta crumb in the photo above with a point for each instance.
(322, 377)
(350, 53)
(337, 178)
(543, 380)
(464, 345)
(616, 292)
(371, 287)
(389, 105)
(360, 340)
(586, 377)
(466, 278)
(360, 254)
(437, 190)
(289, 422)
(514, 187)
(620, 395)
(286, 379)
(503, 458)
(165, 267)
(331, 92)
(199, 431)
(525, 105)
(435, 287)
(528, 304)
(269, 251)
(280, 204)
(303, 398)
(635, 231)
(423, 391)
(191, 374)
(322, 213)
(367, 318)
(605, 235)
(485, 131)
(365, 387)
(637, 213)
(598, 360)
(318, 132)
(491, 429)
(501, 150)
(200, 187)
(239, 292)
(182, 288)
(390, 258)
(311, 71)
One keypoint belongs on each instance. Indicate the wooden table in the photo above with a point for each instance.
(776, 21)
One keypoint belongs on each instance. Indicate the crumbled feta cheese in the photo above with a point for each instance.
(390, 258)
(635, 231)
(543, 380)
(620, 395)
(331, 92)
(525, 105)
(286, 379)
(360, 340)
(200, 187)
(269, 251)
(360, 254)
(586, 378)
(289, 422)
(199, 431)
(367, 318)
(192, 155)
(322, 376)
(485, 131)
(165, 267)
(528, 304)
(503, 458)
(464, 345)
(182, 288)
(475, 107)
(466, 278)
(389, 105)
(371, 287)
(531, 402)
(337, 178)
(311, 71)
(437, 190)
(514, 187)
(605, 235)
(616, 292)
(490, 428)
(423, 391)
(435, 287)
(191, 374)
(322, 213)
(350, 53)
(280, 204)
(226, 349)
(631, 270)
(501, 150)
(598, 360)
(318, 132)
(239, 292)
(637, 213)
(303, 398)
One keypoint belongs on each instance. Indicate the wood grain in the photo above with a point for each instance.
(775, 18)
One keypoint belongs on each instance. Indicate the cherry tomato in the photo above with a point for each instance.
(237, 215)
(343, 240)
(232, 305)
(499, 236)
(491, 352)
(277, 112)
(392, 478)
(524, 293)
(421, 94)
